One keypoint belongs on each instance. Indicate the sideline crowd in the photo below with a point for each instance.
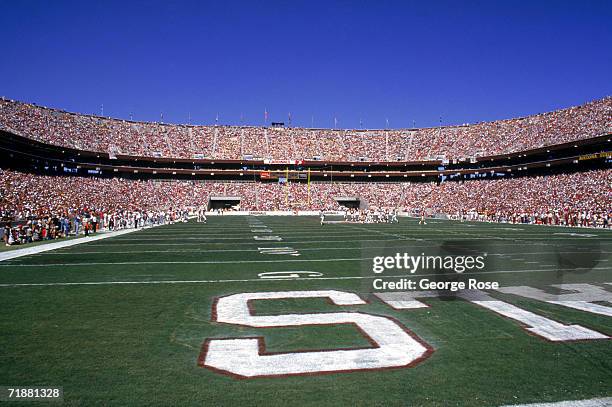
(37, 207)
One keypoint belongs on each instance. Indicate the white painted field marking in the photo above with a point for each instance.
(585, 306)
(183, 262)
(583, 297)
(268, 238)
(241, 236)
(283, 251)
(243, 242)
(536, 324)
(66, 253)
(245, 357)
(13, 254)
(317, 230)
(156, 282)
(288, 274)
(247, 241)
(279, 251)
(574, 234)
(153, 282)
(541, 326)
(598, 402)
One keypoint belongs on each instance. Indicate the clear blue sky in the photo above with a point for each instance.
(370, 60)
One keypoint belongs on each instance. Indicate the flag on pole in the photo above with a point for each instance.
(287, 186)
(217, 119)
(266, 115)
(308, 183)
(335, 122)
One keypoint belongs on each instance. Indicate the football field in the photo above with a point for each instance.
(138, 319)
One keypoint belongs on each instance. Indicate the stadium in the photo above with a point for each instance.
(156, 263)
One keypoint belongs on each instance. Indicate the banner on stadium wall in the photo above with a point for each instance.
(284, 162)
(227, 213)
(606, 154)
(265, 175)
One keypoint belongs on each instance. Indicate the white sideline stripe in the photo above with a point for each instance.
(13, 254)
(598, 402)
(245, 280)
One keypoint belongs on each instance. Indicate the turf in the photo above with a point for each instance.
(114, 343)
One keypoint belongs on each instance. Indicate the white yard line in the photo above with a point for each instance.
(219, 250)
(527, 240)
(123, 263)
(305, 249)
(150, 282)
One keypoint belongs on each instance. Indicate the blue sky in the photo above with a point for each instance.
(410, 62)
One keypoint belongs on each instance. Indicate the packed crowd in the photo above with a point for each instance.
(36, 208)
(578, 199)
(231, 142)
(75, 222)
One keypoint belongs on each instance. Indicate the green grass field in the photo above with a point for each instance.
(122, 321)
